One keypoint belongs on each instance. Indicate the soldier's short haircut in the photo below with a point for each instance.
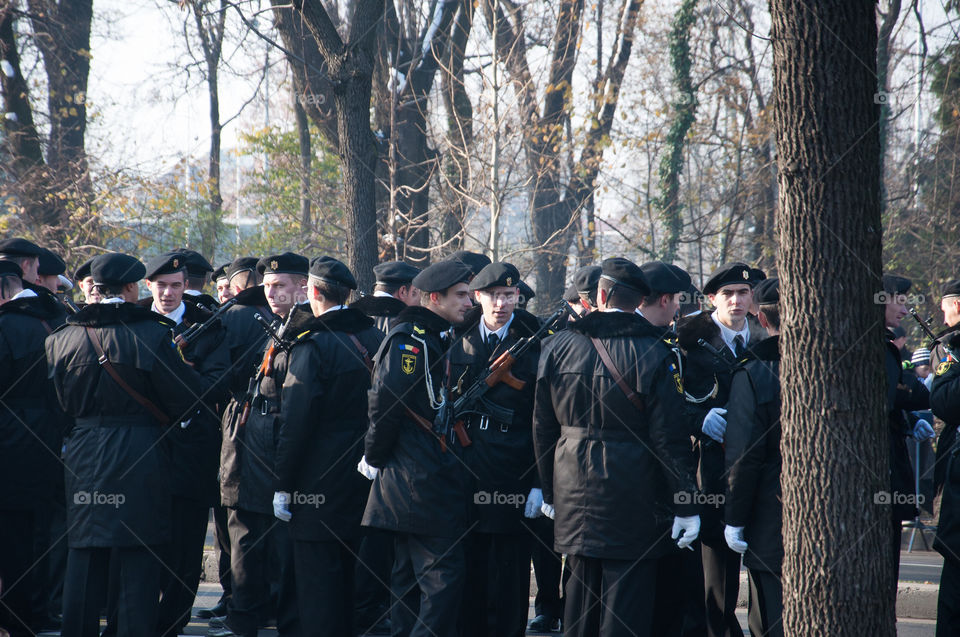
(333, 292)
(590, 298)
(10, 285)
(389, 288)
(620, 296)
(19, 259)
(107, 291)
(772, 313)
(195, 282)
(653, 298)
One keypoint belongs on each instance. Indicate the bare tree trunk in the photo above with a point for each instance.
(306, 155)
(459, 126)
(837, 574)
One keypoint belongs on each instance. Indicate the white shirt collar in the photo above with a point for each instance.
(176, 316)
(485, 332)
(25, 293)
(116, 300)
(382, 293)
(729, 334)
(333, 309)
(612, 309)
(193, 292)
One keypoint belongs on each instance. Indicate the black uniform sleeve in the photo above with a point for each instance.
(211, 359)
(945, 392)
(180, 388)
(399, 372)
(302, 399)
(546, 427)
(671, 442)
(742, 448)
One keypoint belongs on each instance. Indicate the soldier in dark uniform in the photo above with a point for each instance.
(945, 403)
(245, 342)
(31, 435)
(500, 461)
(242, 274)
(706, 378)
(392, 292)
(25, 254)
(526, 295)
(119, 375)
(248, 477)
(85, 282)
(193, 445)
(474, 260)
(419, 491)
(752, 509)
(222, 284)
(197, 270)
(585, 280)
(615, 469)
(905, 394)
(319, 443)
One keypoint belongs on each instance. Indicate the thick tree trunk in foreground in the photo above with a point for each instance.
(836, 572)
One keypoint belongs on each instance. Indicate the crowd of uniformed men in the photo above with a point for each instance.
(394, 464)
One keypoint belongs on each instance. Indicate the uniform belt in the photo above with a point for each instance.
(115, 421)
(267, 406)
(483, 423)
(611, 435)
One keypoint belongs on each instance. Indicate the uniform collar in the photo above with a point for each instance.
(25, 293)
(176, 316)
(728, 334)
(485, 332)
(333, 309)
(382, 293)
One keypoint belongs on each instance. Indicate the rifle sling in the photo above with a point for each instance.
(145, 402)
(631, 395)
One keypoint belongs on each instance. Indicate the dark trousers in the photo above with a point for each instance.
(374, 563)
(221, 534)
(56, 557)
(259, 544)
(766, 604)
(182, 561)
(612, 598)
(497, 589)
(85, 588)
(426, 585)
(721, 584)
(547, 565)
(16, 561)
(324, 573)
(679, 609)
(948, 602)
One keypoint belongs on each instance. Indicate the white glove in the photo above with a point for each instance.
(734, 537)
(368, 472)
(714, 423)
(923, 431)
(547, 510)
(280, 501)
(691, 531)
(534, 504)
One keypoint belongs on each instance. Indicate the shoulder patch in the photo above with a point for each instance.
(418, 330)
(408, 363)
(943, 367)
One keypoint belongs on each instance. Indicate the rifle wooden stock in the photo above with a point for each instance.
(502, 372)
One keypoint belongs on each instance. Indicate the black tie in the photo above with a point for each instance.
(738, 345)
(492, 341)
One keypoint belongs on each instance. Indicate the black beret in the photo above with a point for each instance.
(50, 263)
(767, 292)
(329, 270)
(728, 274)
(166, 263)
(474, 260)
(84, 270)
(9, 268)
(626, 273)
(286, 263)
(950, 288)
(570, 294)
(116, 268)
(757, 275)
(395, 273)
(440, 276)
(19, 247)
(241, 264)
(525, 290)
(220, 273)
(665, 278)
(894, 284)
(496, 275)
(586, 278)
(197, 265)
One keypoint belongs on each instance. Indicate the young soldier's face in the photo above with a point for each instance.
(90, 294)
(895, 309)
(951, 310)
(498, 304)
(453, 304)
(732, 303)
(167, 290)
(224, 292)
(283, 291)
